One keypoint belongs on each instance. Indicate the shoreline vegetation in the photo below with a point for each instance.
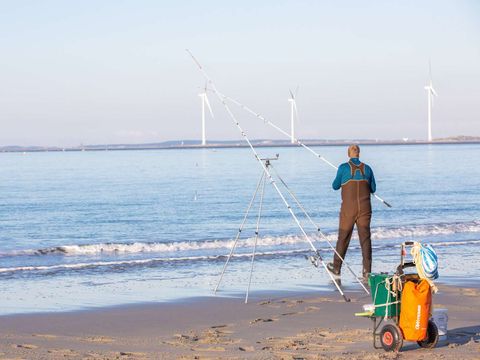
(315, 325)
(216, 144)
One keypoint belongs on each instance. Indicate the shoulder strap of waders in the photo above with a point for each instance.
(354, 168)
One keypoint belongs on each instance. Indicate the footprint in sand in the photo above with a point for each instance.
(301, 342)
(216, 337)
(26, 346)
(211, 348)
(218, 326)
(269, 303)
(246, 348)
(292, 303)
(98, 339)
(290, 313)
(261, 320)
(45, 336)
(182, 338)
(62, 353)
(135, 354)
(211, 336)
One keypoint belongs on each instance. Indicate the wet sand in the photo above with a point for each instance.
(292, 326)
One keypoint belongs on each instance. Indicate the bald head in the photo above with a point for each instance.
(354, 151)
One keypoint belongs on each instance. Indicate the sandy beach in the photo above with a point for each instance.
(292, 326)
(153, 151)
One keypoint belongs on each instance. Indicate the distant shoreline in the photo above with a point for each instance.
(178, 145)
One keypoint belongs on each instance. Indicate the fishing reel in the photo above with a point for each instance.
(314, 259)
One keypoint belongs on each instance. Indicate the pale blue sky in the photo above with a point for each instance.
(88, 72)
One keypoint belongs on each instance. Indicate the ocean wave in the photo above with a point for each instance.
(140, 262)
(380, 233)
(416, 231)
(124, 264)
(158, 247)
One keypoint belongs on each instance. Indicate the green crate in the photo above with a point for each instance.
(381, 296)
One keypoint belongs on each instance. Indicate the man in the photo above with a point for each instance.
(357, 182)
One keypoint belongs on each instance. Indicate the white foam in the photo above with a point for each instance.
(79, 266)
(140, 262)
(169, 247)
(408, 232)
(426, 230)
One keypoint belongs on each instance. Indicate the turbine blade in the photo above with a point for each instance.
(208, 105)
(433, 91)
(296, 90)
(291, 94)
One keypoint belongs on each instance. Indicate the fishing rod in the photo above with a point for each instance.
(279, 129)
(267, 172)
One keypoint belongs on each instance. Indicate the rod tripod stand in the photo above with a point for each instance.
(316, 259)
(261, 184)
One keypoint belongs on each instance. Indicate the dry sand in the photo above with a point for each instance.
(291, 327)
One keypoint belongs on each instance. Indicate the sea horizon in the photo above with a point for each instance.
(197, 144)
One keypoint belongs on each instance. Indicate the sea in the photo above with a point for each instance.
(81, 230)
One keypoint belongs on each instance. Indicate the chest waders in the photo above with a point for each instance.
(356, 210)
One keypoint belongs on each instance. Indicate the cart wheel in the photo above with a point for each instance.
(432, 336)
(391, 338)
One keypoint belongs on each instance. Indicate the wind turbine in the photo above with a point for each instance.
(293, 113)
(204, 98)
(430, 94)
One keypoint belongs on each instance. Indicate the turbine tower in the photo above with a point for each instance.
(293, 114)
(204, 100)
(430, 94)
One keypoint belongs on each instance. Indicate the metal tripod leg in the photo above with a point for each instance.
(260, 206)
(262, 177)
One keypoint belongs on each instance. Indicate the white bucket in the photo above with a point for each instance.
(440, 318)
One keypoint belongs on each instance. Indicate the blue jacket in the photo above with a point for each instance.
(344, 175)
